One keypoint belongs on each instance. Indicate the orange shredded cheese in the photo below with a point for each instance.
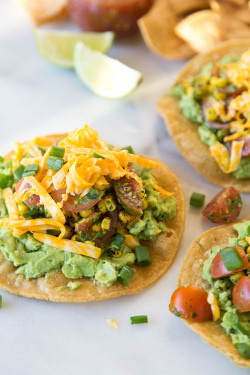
(160, 189)
(69, 245)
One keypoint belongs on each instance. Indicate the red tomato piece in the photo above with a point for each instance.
(70, 204)
(34, 200)
(225, 207)
(218, 268)
(241, 294)
(191, 303)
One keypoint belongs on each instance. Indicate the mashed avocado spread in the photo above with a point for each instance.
(235, 324)
(34, 259)
(214, 100)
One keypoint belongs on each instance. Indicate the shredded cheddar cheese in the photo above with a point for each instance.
(160, 189)
(228, 163)
(69, 245)
(211, 299)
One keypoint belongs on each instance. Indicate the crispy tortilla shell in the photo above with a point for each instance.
(190, 274)
(184, 131)
(162, 251)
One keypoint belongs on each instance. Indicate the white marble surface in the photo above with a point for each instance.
(39, 337)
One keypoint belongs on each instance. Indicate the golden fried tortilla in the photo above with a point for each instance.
(184, 131)
(162, 251)
(190, 274)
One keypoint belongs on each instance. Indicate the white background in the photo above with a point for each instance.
(38, 337)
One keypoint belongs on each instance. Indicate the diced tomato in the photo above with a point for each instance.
(191, 303)
(218, 268)
(241, 294)
(34, 200)
(128, 193)
(225, 207)
(70, 204)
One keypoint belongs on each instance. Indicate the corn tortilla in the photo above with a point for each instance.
(190, 274)
(184, 131)
(162, 251)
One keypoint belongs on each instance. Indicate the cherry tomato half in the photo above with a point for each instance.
(241, 294)
(191, 303)
(225, 207)
(218, 268)
(34, 200)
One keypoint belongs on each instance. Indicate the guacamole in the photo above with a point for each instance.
(235, 324)
(214, 101)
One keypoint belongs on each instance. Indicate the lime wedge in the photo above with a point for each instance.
(105, 76)
(58, 46)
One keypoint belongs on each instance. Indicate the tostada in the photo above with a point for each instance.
(82, 220)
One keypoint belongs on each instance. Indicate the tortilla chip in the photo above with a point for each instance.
(188, 6)
(239, 9)
(190, 274)
(162, 251)
(157, 29)
(205, 29)
(43, 11)
(184, 131)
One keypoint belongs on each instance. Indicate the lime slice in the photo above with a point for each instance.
(58, 46)
(103, 75)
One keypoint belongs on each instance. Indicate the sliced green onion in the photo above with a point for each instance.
(18, 173)
(30, 170)
(142, 255)
(54, 232)
(58, 152)
(54, 163)
(1, 301)
(1, 159)
(197, 200)
(41, 149)
(97, 156)
(139, 319)
(129, 149)
(125, 275)
(231, 258)
(241, 329)
(32, 212)
(117, 241)
(244, 350)
(4, 181)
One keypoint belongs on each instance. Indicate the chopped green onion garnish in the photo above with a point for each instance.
(241, 329)
(244, 350)
(30, 170)
(1, 159)
(41, 149)
(97, 155)
(117, 241)
(142, 255)
(58, 152)
(231, 258)
(1, 301)
(197, 200)
(32, 212)
(125, 275)
(54, 163)
(18, 173)
(129, 149)
(139, 319)
(4, 181)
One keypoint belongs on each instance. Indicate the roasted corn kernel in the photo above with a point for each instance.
(144, 204)
(86, 213)
(106, 224)
(124, 217)
(69, 232)
(142, 193)
(97, 227)
(114, 253)
(236, 276)
(248, 250)
(110, 203)
(218, 81)
(218, 95)
(22, 208)
(75, 237)
(75, 217)
(120, 229)
(211, 114)
(102, 206)
(131, 241)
